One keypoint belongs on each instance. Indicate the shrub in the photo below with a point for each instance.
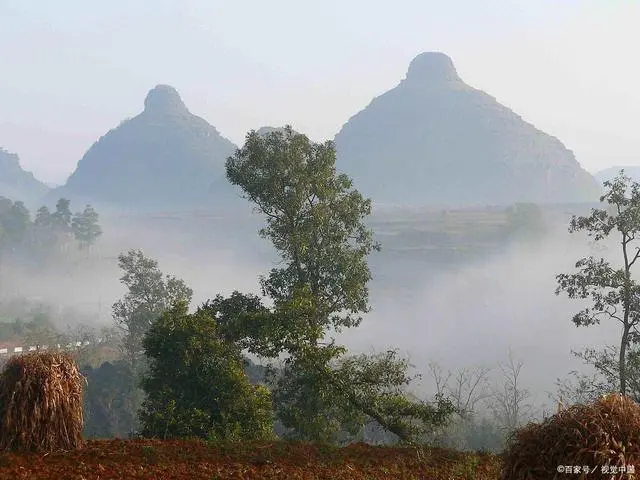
(600, 435)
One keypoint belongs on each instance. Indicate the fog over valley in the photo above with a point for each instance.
(459, 313)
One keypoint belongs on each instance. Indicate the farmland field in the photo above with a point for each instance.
(192, 459)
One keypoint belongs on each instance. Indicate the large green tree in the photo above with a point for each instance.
(614, 294)
(315, 220)
(196, 385)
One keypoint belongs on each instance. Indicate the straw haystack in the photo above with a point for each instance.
(603, 437)
(41, 403)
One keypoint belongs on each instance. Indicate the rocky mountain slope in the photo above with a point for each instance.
(434, 140)
(165, 158)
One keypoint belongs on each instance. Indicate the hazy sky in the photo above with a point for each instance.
(72, 69)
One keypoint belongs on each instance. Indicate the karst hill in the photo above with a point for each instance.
(17, 184)
(165, 158)
(434, 140)
(431, 140)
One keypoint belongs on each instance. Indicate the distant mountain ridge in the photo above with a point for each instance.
(430, 141)
(164, 158)
(434, 140)
(18, 184)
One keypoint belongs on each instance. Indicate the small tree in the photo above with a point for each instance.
(510, 401)
(584, 388)
(149, 294)
(85, 227)
(61, 222)
(196, 385)
(614, 294)
(466, 389)
(15, 221)
(44, 235)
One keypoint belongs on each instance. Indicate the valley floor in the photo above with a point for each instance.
(156, 459)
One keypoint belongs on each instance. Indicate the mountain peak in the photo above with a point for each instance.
(164, 99)
(165, 157)
(431, 68)
(433, 140)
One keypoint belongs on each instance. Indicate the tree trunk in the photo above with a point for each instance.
(622, 364)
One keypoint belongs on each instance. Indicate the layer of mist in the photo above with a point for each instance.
(468, 315)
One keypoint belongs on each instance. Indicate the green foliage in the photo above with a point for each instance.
(61, 218)
(149, 294)
(196, 384)
(585, 388)
(48, 232)
(108, 408)
(14, 224)
(614, 294)
(17, 224)
(305, 401)
(315, 220)
(323, 395)
(44, 236)
(85, 227)
(242, 320)
(165, 420)
(376, 386)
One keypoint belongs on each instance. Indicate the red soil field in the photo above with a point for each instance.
(192, 460)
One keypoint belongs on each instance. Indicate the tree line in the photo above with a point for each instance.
(47, 232)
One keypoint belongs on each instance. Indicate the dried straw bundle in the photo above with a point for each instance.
(606, 432)
(41, 403)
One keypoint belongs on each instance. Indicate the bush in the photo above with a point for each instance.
(196, 385)
(600, 435)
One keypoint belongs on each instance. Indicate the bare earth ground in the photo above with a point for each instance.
(155, 459)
